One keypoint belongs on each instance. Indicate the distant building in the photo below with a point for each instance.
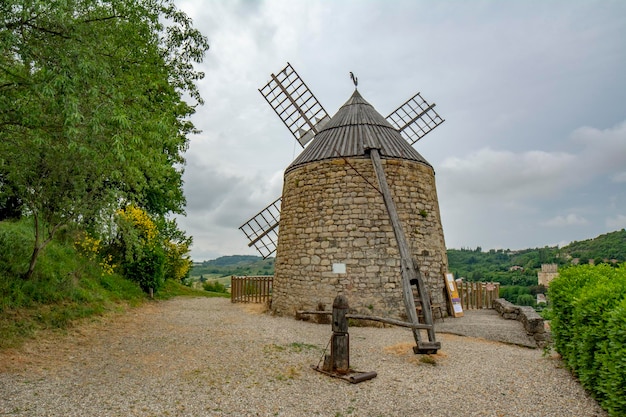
(541, 299)
(548, 273)
(516, 268)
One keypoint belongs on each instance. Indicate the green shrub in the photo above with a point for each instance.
(525, 300)
(214, 286)
(512, 292)
(612, 361)
(15, 247)
(563, 292)
(589, 330)
(148, 249)
(147, 269)
(590, 319)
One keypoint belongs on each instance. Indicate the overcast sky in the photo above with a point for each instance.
(533, 149)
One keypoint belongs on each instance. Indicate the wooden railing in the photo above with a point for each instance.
(252, 289)
(258, 289)
(478, 295)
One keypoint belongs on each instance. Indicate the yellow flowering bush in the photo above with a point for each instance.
(107, 265)
(141, 221)
(150, 249)
(178, 262)
(88, 246)
(91, 248)
(141, 254)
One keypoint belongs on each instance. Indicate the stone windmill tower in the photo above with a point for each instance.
(359, 213)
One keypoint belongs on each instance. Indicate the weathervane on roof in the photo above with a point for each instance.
(355, 80)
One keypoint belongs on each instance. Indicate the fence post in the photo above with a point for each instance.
(477, 295)
(251, 289)
(461, 288)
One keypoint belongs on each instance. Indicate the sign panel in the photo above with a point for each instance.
(339, 268)
(453, 296)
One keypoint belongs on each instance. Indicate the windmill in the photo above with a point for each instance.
(343, 227)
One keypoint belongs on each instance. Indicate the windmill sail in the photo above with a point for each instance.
(262, 229)
(415, 118)
(295, 104)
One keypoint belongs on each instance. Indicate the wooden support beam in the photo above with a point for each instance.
(390, 321)
(366, 317)
(409, 273)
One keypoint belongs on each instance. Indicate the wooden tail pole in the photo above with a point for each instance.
(409, 272)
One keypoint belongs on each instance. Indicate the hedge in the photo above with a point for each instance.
(589, 330)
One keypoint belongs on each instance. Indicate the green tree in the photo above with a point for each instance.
(525, 300)
(10, 203)
(92, 108)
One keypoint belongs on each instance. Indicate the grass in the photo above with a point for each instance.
(299, 347)
(66, 287)
(175, 289)
(224, 280)
(427, 359)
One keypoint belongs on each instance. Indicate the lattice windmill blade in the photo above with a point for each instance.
(262, 229)
(415, 118)
(295, 104)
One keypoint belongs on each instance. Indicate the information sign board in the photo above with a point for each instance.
(453, 296)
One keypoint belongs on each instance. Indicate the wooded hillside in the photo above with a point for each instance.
(520, 267)
(234, 265)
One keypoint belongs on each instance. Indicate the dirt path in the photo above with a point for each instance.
(207, 357)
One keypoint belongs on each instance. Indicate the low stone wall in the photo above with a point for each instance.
(533, 323)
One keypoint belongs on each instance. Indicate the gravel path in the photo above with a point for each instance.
(487, 324)
(208, 357)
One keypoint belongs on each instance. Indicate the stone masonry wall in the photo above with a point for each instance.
(547, 274)
(533, 323)
(330, 214)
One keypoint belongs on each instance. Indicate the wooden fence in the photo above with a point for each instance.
(258, 289)
(252, 289)
(478, 295)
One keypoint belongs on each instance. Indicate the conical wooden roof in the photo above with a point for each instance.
(356, 127)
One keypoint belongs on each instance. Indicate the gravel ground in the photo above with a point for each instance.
(208, 357)
(487, 324)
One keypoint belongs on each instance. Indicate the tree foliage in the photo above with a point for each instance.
(92, 109)
(176, 246)
(516, 268)
(147, 249)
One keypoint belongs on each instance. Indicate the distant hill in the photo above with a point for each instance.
(234, 265)
(509, 267)
(604, 247)
(520, 267)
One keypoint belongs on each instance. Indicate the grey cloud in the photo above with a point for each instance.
(561, 221)
(516, 81)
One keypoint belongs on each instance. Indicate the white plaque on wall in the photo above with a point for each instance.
(339, 268)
